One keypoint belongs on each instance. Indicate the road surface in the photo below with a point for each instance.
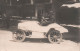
(36, 44)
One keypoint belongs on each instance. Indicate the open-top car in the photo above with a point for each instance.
(52, 31)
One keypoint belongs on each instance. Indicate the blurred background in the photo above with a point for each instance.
(68, 14)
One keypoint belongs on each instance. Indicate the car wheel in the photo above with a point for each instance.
(19, 36)
(54, 37)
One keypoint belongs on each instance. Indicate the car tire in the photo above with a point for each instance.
(54, 37)
(19, 36)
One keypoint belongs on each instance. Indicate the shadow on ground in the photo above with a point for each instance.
(36, 40)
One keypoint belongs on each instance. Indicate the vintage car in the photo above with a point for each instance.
(52, 31)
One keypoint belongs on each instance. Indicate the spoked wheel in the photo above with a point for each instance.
(54, 37)
(19, 36)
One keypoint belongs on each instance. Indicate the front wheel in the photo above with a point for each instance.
(19, 36)
(54, 37)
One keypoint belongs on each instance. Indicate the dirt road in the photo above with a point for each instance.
(6, 44)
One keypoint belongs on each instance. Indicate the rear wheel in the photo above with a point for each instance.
(54, 37)
(19, 36)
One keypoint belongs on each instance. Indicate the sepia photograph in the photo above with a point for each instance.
(39, 25)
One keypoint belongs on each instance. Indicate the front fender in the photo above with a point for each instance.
(52, 29)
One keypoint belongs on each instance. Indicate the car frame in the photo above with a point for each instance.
(53, 32)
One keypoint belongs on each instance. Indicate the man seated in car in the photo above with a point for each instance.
(46, 21)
